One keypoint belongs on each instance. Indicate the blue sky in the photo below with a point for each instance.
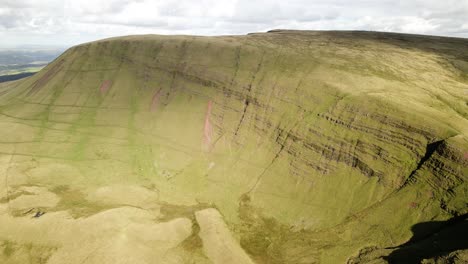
(66, 22)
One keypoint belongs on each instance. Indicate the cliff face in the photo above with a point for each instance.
(314, 146)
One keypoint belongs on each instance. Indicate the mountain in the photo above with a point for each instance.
(277, 147)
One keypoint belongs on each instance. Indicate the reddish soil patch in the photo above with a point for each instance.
(105, 86)
(466, 155)
(208, 128)
(4, 92)
(155, 101)
(38, 84)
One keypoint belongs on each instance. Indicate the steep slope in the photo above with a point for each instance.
(315, 147)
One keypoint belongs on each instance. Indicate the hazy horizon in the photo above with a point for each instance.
(34, 47)
(67, 23)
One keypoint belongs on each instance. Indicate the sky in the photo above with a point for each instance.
(69, 22)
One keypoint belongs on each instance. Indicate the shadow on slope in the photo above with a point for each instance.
(432, 239)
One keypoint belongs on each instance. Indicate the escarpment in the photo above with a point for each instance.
(314, 147)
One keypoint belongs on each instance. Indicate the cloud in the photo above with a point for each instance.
(71, 22)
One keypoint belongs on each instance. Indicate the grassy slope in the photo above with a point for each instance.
(318, 139)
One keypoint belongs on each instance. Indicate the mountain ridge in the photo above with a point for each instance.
(311, 145)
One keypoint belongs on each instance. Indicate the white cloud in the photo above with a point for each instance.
(70, 22)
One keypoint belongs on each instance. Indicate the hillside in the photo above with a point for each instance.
(278, 147)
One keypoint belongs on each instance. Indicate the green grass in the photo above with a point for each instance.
(320, 131)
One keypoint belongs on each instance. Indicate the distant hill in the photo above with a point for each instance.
(18, 63)
(13, 77)
(20, 57)
(280, 147)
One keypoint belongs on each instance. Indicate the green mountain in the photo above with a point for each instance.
(278, 147)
